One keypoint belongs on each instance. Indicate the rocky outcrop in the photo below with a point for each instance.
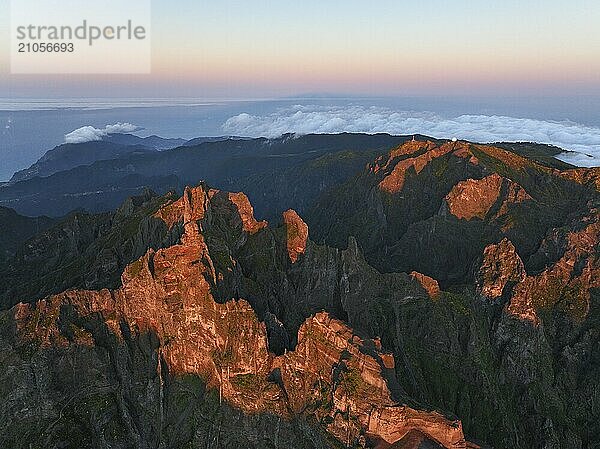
(584, 176)
(296, 234)
(501, 266)
(474, 198)
(575, 271)
(246, 213)
(430, 285)
(190, 207)
(510, 239)
(433, 207)
(330, 361)
(572, 278)
(85, 251)
(544, 314)
(410, 149)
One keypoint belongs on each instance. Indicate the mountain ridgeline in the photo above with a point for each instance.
(90, 179)
(385, 293)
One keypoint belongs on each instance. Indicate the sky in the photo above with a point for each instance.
(265, 49)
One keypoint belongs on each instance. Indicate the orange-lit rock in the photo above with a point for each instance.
(430, 285)
(296, 234)
(508, 158)
(246, 211)
(576, 271)
(394, 182)
(465, 152)
(584, 176)
(474, 198)
(191, 206)
(501, 265)
(330, 360)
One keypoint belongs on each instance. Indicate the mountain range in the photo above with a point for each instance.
(363, 291)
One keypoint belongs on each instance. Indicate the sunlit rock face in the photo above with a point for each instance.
(296, 234)
(501, 265)
(430, 285)
(475, 198)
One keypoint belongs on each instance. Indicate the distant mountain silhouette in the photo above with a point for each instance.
(155, 142)
(71, 155)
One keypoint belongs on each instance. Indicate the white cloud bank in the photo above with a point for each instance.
(89, 133)
(582, 141)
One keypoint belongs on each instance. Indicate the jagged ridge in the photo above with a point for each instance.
(332, 375)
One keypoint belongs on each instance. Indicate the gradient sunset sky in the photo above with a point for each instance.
(258, 49)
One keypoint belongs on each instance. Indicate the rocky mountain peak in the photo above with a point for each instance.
(501, 266)
(246, 213)
(416, 156)
(394, 181)
(296, 234)
(191, 206)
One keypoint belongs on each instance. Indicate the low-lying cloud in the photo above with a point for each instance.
(90, 134)
(581, 142)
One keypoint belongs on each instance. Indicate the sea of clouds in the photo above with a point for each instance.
(89, 133)
(582, 143)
